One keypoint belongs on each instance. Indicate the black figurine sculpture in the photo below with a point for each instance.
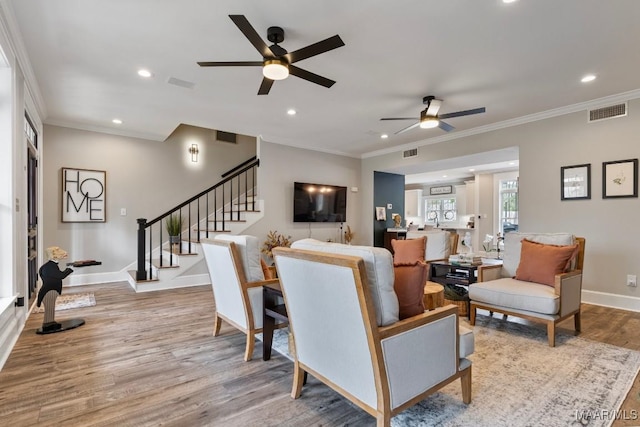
(52, 287)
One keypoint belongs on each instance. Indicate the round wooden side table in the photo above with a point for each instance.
(433, 295)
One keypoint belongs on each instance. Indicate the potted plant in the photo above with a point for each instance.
(174, 227)
(274, 240)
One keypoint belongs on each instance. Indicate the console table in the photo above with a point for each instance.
(272, 311)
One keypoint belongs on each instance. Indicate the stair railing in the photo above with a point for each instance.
(217, 205)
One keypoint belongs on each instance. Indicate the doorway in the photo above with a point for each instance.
(31, 139)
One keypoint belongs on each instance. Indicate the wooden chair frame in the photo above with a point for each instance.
(375, 334)
(560, 279)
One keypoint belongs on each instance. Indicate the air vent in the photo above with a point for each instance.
(410, 153)
(610, 112)
(226, 136)
(181, 83)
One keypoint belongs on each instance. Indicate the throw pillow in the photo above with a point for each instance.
(409, 286)
(266, 270)
(408, 252)
(539, 263)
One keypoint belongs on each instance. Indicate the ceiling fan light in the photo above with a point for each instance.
(429, 123)
(275, 69)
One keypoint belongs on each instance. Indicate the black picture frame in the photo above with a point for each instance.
(575, 182)
(620, 179)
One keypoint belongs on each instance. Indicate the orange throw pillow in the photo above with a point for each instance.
(540, 263)
(266, 270)
(408, 252)
(409, 286)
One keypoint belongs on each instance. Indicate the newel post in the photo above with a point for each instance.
(141, 273)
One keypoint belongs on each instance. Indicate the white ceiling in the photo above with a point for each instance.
(514, 59)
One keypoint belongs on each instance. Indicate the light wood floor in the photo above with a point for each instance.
(150, 359)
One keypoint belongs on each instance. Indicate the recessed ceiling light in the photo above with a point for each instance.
(511, 163)
(509, 1)
(117, 121)
(471, 170)
(384, 136)
(291, 112)
(588, 78)
(144, 73)
(444, 176)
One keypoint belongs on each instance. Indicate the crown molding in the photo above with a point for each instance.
(596, 103)
(101, 129)
(14, 37)
(301, 147)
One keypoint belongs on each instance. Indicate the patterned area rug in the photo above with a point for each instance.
(69, 301)
(518, 380)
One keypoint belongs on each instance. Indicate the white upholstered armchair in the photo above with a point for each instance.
(343, 314)
(236, 279)
(519, 288)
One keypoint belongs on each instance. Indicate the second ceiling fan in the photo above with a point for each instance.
(429, 117)
(276, 62)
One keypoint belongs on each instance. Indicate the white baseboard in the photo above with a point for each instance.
(611, 300)
(95, 278)
(177, 282)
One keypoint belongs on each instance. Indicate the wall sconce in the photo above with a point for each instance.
(193, 150)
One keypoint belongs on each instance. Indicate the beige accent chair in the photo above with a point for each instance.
(498, 290)
(343, 314)
(236, 279)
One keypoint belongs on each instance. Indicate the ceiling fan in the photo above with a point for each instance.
(429, 117)
(276, 62)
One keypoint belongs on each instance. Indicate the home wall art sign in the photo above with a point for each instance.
(83, 195)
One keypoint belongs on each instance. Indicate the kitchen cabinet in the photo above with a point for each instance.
(413, 203)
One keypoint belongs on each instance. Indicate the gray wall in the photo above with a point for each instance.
(280, 167)
(147, 178)
(610, 226)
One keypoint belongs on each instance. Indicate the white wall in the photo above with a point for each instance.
(280, 167)
(609, 226)
(147, 178)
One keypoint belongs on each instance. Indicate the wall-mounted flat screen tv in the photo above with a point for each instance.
(319, 203)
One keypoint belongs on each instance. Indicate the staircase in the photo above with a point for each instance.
(230, 206)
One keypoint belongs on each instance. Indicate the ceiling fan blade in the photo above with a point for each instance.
(434, 107)
(462, 113)
(250, 33)
(408, 128)
(231, 64)
(265, 86)
(445, 126)
(315, 49)
(309, 76)
(398, 118)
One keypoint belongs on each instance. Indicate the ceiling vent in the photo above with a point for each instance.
(619, 110)
(226, 137)
(182, 83)
(410, 153)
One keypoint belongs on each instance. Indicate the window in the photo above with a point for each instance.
(440, 210)
(508, 189)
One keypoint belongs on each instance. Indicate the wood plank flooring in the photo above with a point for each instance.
(150, 359)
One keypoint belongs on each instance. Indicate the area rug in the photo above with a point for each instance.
(518, 380)
(69, 301)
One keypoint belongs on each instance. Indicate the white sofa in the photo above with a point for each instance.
(343, 313)
(499, 291)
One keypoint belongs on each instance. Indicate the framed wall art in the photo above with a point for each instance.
(620, 179)
(575, 182)
(443, 189)
(83, 195)
(381, 213)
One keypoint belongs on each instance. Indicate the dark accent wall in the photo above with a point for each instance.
(387, 188)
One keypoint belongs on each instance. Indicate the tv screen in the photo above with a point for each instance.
(319, 203)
